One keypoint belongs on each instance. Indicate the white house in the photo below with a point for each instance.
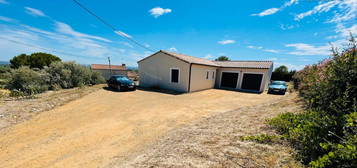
(182, 73)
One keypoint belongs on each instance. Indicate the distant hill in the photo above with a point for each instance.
(4, 62)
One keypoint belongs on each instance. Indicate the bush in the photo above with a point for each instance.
(4, 75)
(262, 138)
(27, 81)
(70, 74)
(325, 134)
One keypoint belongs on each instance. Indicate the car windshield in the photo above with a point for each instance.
(122, 78)
(278, 83)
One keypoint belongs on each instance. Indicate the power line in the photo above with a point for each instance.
(111, 26)
(41, 48)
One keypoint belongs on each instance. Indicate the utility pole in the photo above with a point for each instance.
(110, 67)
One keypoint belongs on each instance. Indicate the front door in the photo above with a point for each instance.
(229, 80)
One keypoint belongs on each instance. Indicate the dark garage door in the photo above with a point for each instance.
(229, 79)
(252, 81)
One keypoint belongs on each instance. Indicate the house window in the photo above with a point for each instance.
(212, 74)
(207, 74)
(175, 75)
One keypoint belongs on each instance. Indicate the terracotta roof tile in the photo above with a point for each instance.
(103, 66)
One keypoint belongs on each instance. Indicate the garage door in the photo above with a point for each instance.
(252, 81)
(229, 79)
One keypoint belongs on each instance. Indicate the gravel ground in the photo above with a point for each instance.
(106, 125)
(14, 110)
(215, 141)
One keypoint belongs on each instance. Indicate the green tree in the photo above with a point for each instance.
(222, 58)
(281, 69)
(35, 60)
(20, 60)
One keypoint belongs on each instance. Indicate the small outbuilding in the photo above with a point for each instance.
(183, 73)
(107, 70)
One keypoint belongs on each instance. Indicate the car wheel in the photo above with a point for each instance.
(118, 88)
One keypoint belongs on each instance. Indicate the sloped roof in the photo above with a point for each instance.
(245, 64)
(190, 59)
(105, 67)
(226, 64)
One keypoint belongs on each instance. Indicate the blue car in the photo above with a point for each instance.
(279, 87)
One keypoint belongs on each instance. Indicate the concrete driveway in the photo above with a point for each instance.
(104, 125)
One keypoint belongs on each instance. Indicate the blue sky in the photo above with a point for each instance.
(289, 32)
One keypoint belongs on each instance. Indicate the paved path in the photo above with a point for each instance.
(94, 130)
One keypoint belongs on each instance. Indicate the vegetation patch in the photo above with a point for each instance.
(262, 138)
(325, 134)
(32, 74)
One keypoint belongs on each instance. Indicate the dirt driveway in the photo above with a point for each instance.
(105, 125)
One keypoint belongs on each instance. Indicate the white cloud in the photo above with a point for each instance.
(345, 32)
(173, 49)
(120, 33)
(348, 11)
(127, 44)
(263, 49)
(286, 27)
(255, 47)
(34, 12)
(66, 29)
(7, 19)
(158, 11)
(271, 50)
(323, 7)
(267, 12)
(289, 65)
(307, 49)
(208, 56)
(3, 2)
(273, 59)
(224, 42)
(271, 11)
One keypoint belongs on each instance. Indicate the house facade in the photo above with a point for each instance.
(183, 73)
(107, 70)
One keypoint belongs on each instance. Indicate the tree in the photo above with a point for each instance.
(222, 58)
(20, 60)
(35, 60)
(282, 73)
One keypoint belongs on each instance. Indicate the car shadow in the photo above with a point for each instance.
(114, 90)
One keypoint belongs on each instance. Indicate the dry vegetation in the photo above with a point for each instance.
(216, 141)
(15, 110)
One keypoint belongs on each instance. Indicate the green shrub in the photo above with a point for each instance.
(70, 74)
(97, 78)
(27, 81)
(325, 134)
(262, 138)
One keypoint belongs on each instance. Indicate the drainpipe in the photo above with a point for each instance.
(189, 79)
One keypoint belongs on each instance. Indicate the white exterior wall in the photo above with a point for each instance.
(265, 81)
(155, 71)
(198, 77)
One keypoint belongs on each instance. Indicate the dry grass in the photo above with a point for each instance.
(215, 141)
(15, 110)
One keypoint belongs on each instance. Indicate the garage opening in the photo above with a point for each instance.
(252, 81)
(229, 79)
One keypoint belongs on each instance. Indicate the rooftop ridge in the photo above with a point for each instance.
(245, 61)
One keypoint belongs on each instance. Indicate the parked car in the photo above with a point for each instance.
(121, 83)
(277, 87)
